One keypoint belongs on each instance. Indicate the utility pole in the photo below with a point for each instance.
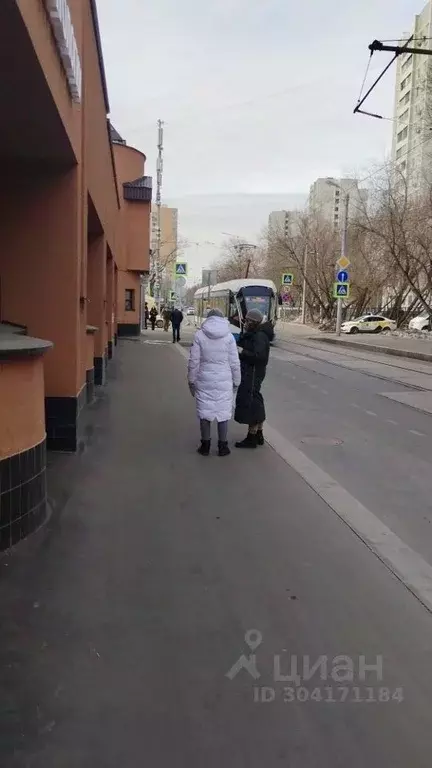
(303, 314)
(344, 239)
(159, 171)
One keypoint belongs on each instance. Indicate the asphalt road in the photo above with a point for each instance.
(382, 449)
(122, 618)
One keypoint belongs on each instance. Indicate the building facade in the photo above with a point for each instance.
(133, 253)
(63, 242)
(411, 147)
(287, 223)
(168, 246)
(326, 198)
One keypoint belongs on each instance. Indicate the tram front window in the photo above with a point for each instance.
(262, 303)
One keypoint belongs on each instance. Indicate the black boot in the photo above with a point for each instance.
(204, 448)
(260, 437)
(250, 441)
(223, 448)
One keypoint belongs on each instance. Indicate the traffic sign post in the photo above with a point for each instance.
(341, 290)
(209, 278)
(287, 278)
(181, 269)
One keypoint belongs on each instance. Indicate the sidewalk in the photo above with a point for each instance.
(416, 349)
(122, 617)
(388, 345)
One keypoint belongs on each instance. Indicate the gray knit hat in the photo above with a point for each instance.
(255, 316)
(214, 313)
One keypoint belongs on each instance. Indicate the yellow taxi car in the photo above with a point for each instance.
(368, 324)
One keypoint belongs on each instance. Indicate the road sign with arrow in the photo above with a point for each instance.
(342, 276)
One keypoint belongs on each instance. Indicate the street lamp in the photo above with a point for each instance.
(242, 246)
(344, 238)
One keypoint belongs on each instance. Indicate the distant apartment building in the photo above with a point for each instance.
(411, 149)
(284, 222)
(168, 243)
(326, 198)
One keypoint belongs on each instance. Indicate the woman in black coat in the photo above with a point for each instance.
(250, 410)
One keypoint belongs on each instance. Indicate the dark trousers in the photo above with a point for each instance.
(176, 332)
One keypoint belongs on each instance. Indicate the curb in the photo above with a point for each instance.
(375, 348)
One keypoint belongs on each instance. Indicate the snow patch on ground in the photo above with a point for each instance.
(408, 334)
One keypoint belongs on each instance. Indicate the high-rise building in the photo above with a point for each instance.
(284, 222)
(168, 244)
(326, 198)
(411, 150)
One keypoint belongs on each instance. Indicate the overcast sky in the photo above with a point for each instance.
(257, 99)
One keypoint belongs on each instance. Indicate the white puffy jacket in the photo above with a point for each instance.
(214, 369)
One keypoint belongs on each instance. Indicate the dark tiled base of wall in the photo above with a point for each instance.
(110, 350)
(90, 386)
(62, 416)
(115, 339)
(129, 329)
(100, 366)
(22, 494)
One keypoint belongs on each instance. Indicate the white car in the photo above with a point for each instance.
(190, 311)
(368, 324)
(420, 323)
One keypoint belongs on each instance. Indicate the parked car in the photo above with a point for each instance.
(420, 323)
(190, 311)
(368, 324)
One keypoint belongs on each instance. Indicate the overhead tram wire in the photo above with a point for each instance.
(365, 77)
(361, 101)
(397, 50)
(401, 40)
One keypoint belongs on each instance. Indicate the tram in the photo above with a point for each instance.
(235, 298)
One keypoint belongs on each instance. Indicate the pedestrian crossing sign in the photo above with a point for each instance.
(181, 268)
(287, 278)
(341, 290)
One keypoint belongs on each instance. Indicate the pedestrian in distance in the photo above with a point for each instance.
(176, 321)
(213, 378)
(166, 315)
(146, 315)
(255, 348)
(153, 316)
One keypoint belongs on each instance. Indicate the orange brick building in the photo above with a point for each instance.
(74, 241)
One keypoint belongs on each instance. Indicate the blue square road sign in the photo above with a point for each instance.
(181, 268)
(287, 278)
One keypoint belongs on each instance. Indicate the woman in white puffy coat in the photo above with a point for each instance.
(213, 377)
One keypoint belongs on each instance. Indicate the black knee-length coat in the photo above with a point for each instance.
(253, 360)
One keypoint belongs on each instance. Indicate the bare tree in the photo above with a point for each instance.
(166, 260)
(190, 293)
(309, 251)
(238, 260)
(398, 231)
